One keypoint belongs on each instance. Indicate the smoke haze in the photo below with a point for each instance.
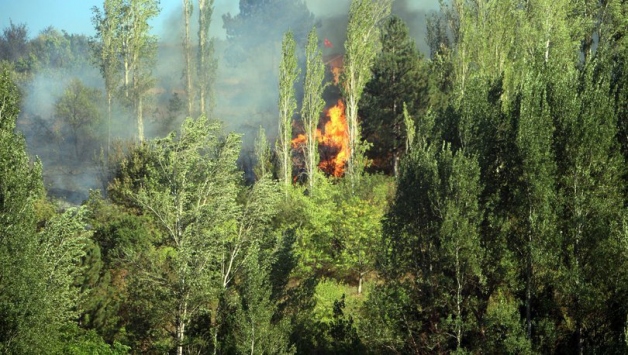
(246, 86)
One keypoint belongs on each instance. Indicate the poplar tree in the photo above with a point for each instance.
(107, 50)
(288, 74)
(313, 103)
(361, 47)
(207, 64)
(138, 52)
(188, 8)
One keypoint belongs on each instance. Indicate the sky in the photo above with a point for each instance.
(74, 16)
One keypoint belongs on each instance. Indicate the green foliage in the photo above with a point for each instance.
(399, 80)
(207, 63)
(189, 187)
(288, 74)
(256, 329)
(23, 310)
(38, 268)
(88, 342)
(78, 108)
(361, 47)
(263, 166)
(313, 104)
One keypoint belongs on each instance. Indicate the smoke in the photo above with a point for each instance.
(246, 85)
(65, 175)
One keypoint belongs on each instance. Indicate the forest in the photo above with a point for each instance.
(315, 185)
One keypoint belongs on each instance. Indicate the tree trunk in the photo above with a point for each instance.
(360, 278)
(108, 124)
(140, 119)
(529, 287)
(181, 327)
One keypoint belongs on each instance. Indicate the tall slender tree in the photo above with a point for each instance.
(188, 9)
(107, 49)
(313, 103)
(361, 47)
(288, 74)
(207, 64)
(138, 52)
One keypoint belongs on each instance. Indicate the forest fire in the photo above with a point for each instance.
(333, 141)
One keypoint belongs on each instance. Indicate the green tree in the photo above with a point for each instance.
(22, 326)
(263, 166)
(256, 331)
(207, 64)
(432, 234)
(38, 295)
(189, 186)
(313, 103)
(188, 8)
(358, 231)
(78, 108)
(592, 213)
(361, 47)
(138, 51)
(288, 74)
(14, 46)
(398, 78)
(107, 49)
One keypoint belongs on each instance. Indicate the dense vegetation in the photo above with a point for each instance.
(482, 208)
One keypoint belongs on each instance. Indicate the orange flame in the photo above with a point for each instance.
(333, 141)
(335, 138)
(336, 73)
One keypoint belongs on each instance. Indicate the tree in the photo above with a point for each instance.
(361, 48)
(138, 51)
(313, 103)
(460, 239)
(432, 233)
(20, 188)
(187, 12)
(398, 79)
(14, 45)
(288, 74)
(78, 108)
(190, 188)
(254, 327)
(592, 212)
(207, 64)
(263, 166)
(107, 49)
(38, 297)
